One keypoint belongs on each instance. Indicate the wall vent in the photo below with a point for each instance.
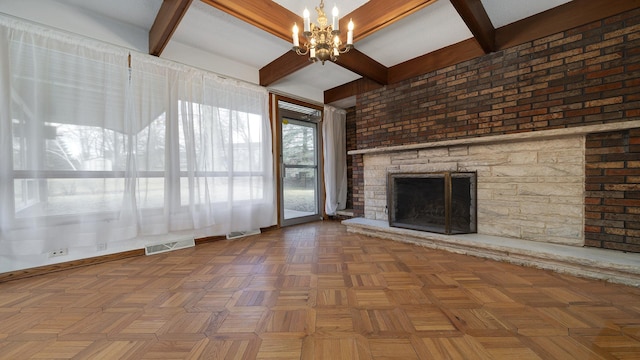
(238, 234)
(169, 246)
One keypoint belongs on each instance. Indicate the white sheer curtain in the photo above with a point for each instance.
(95, 155)
(335, 159)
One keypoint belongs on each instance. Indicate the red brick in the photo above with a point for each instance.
(622, 202)
(593, 229)
(602, 102)
(604, 87)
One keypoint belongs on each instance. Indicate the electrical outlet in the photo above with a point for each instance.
(101, 247)
(58, 252)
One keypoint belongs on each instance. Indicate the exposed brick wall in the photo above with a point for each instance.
(584, 76)
(612, 204)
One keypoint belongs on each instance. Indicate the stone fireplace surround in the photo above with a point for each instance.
(530, 199)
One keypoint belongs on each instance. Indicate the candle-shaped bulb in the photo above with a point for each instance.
(336, 20)
(296, 42)
(350, 33)
(307, 21)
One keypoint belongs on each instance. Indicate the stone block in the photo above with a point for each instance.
(537, 170)
(578, 180)
(556, 210)
(376, 173)
(435, 152)
(483, 161)
(566, 156)
(497, 186)
(375, 181)
(523, 158)
(566, 231)
(484, 194)
(547, 189)
(459, 151)
(400, 162)
(487, 212)
(429, 167)
(372, 160)
(509, 179)
(379, 203)
(406, 155)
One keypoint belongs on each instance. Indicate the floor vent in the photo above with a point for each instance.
(169, 246)
(238, 234)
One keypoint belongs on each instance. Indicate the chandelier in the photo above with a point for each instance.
(323, 39)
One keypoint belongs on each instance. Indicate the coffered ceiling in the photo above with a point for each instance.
(394, 40)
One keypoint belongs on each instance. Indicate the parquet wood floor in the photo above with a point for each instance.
(315, 292)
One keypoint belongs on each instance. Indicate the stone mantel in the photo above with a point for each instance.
(515, 137)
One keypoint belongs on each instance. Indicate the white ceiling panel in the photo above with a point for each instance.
(212, 30)
(315, 78)
(503, 12)
(432, 28)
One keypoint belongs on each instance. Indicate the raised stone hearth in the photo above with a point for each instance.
(609, 265)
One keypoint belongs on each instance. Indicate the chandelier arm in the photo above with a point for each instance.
(301, 52)
(345, 49)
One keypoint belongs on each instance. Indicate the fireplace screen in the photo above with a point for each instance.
(436, 202)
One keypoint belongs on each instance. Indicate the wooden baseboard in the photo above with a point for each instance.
(41, 270)
(209, 239)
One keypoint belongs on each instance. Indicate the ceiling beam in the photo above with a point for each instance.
(282, 67)
(166, 23)
(263, 14)
(365, 66)
(477, 20)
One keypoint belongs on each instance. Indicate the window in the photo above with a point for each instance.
(103, 146)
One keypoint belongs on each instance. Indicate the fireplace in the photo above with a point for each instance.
(442, 202)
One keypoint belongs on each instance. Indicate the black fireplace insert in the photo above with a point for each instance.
(443, 202)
